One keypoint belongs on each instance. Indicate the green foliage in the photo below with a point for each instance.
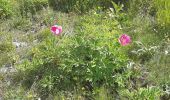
(18, 93)
(20, 23)
(31, 6)
(156, 10)
(151, 19)
(163, 12)
(81, 6)
(141, 23)
(6, 9)
(87, 59)
(141, 52)
(6, 48)
(72, 5)
(159, 65)
(140, 7)
(103, 94)
(150, 93)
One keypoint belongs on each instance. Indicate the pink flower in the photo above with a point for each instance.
(124, 39)
(55, 29)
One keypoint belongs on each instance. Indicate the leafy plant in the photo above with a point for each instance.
(6, 9)
(142, 52)
(87, 59)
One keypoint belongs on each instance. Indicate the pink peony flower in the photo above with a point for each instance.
(55, 29)
(124, 39)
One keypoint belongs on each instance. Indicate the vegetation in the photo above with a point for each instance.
(5, 8)
(86, 61)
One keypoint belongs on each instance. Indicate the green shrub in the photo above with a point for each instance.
(92, 57)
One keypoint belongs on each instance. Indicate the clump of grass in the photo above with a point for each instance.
(163, 12)
(159, 65)
(27, 7)
(6, 48)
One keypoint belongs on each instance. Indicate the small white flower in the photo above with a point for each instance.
(166, 52)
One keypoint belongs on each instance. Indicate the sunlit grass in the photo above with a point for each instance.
(27, 23)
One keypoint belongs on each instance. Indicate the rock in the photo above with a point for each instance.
(7, 69)
(3, 70)
(19, 44)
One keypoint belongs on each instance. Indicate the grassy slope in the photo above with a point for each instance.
(19, 35)
(28, 30)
